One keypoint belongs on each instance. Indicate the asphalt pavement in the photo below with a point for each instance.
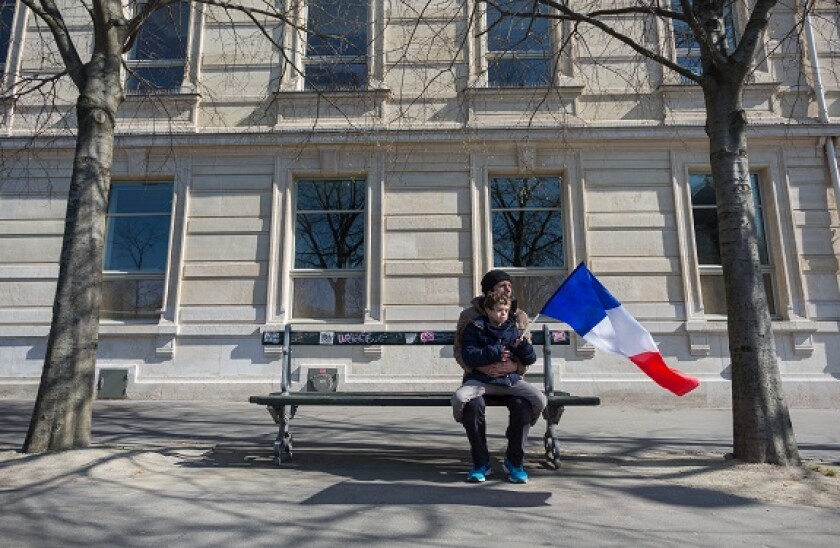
(164, 473)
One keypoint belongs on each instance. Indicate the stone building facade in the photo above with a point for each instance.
(365, 174)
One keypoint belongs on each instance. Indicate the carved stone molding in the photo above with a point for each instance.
(699, 345)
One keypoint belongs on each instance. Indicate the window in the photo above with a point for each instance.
(329, 258)
(136, 249)
(686, 47)
(528, 235)
(7, 16)
(518, 48)
(336, 44)
(156, 62)
(707, 243)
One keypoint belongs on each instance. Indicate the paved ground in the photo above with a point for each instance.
(188, 474)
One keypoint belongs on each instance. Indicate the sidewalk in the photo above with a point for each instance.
(198, 474)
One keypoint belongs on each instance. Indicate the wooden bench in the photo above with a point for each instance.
(283, 405)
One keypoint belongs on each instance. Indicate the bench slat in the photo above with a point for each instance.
(406, 399)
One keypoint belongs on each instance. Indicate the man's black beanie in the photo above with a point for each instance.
(492, 278)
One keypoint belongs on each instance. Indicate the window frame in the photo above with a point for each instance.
(297, 273)
(334, 60)
(5, 4)
(561, 67)
(514, 55)
(691, 55)
(188, 80)
(768, 268)
(111, 275)
(334, 162)
(783, 240)
(295, 41)
(555, 273)
(523, 159)
(10, 65)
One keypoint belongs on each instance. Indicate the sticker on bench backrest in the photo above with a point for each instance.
(356, 338)
(272, 338)
(560, 337)
(555, 337)
(326, 337)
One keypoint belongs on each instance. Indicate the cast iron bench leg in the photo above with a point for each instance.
(551, 439)
(283, 443)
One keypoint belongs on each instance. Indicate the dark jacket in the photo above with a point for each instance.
(476, 310)
(483, 343)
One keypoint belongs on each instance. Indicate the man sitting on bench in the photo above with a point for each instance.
(474, 414)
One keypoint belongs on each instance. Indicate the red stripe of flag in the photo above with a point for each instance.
(654, 367)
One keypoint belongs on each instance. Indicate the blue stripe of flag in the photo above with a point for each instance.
(580, 301)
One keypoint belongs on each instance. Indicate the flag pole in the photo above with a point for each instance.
(527, 333)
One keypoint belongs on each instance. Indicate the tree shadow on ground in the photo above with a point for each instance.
(369, 474)
(392, 460)
(375, 473)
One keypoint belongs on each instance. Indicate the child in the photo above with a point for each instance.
(490, 339)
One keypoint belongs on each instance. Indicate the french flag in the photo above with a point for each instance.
(586, 305)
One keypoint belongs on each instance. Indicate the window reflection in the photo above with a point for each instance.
(527, 222)
(707, 243)
(136, 249)
(328, 298)
(156, 61)
(528, 235)
(532, 292)
(337, 42)
(704, 212)
(329, 253)
(330, 229)
(7, 15)
(125, 299)
(137, 243)
(519, 50)
(687, 48)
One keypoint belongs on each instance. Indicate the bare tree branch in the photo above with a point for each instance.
(51, 15)
(753, 32)
(565, 13)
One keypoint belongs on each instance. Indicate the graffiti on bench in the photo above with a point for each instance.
(367, 338)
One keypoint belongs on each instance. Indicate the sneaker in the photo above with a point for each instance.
(516, 474)
(478, 475)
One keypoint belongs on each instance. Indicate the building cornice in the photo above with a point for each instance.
(571, 135)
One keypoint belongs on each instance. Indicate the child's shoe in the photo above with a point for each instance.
(479, 474)
(516, 474)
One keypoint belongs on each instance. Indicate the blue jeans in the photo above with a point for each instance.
(519, 425)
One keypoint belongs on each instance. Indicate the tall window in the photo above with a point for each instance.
(336, 44)
(707, 242)
(519, 50)
(157, 59)
(7, 15)
(136, 249)
(328, 275)
(528, 236)
(686, 47)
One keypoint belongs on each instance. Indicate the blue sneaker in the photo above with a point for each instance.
(478, 475)
(516, 474)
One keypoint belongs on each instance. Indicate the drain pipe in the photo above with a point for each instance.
(830, 151)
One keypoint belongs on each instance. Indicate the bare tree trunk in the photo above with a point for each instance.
(762, 430)
(62, 415)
